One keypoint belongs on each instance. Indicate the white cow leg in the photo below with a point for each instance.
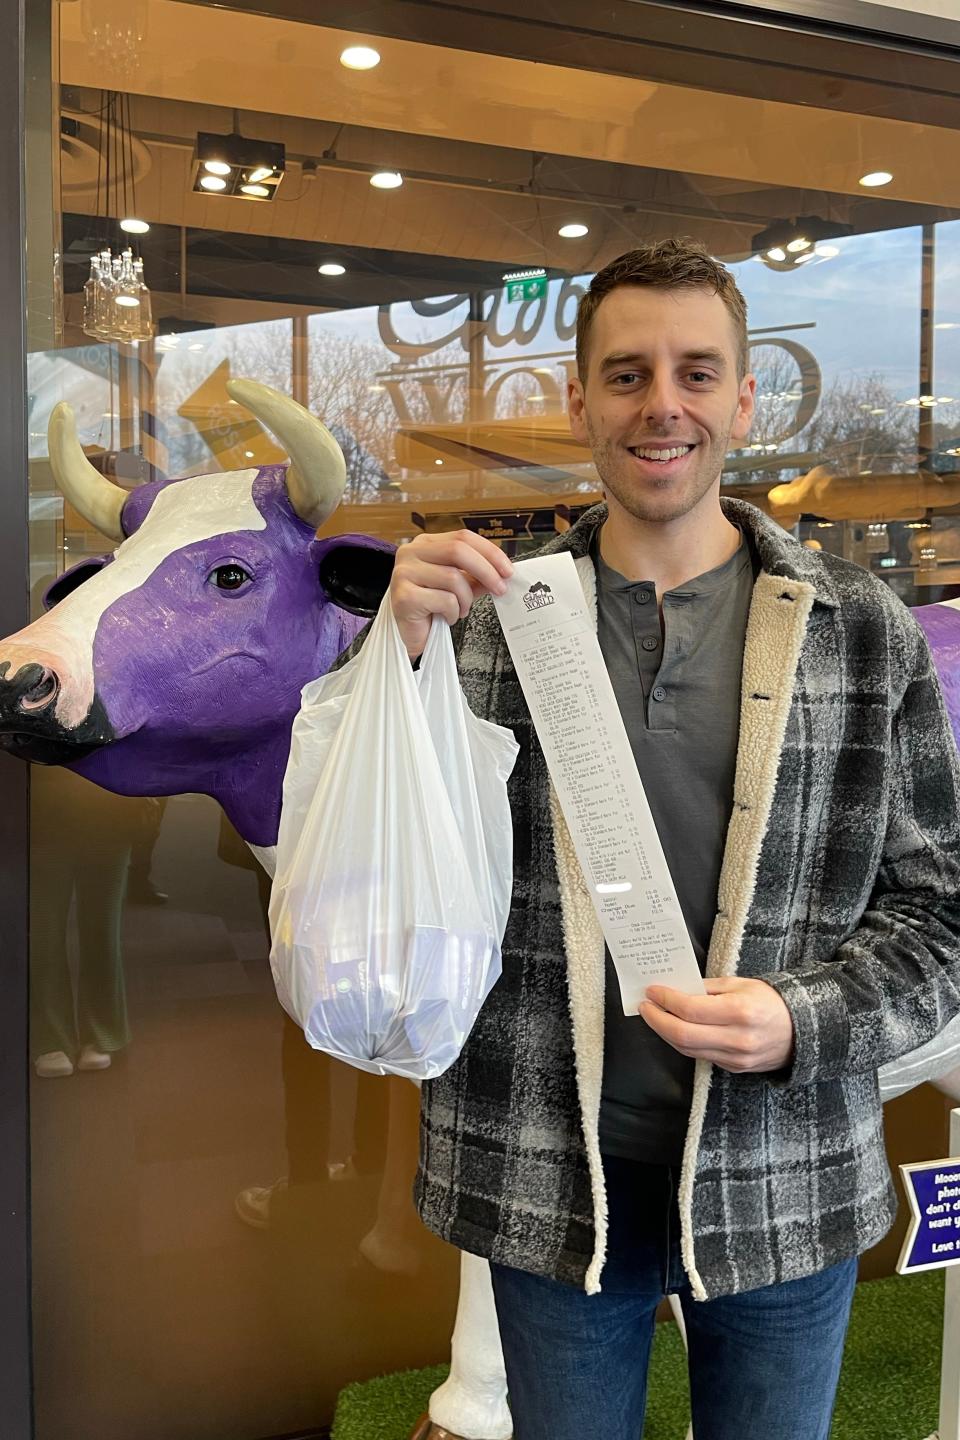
(677, 1313)
(472, 1403)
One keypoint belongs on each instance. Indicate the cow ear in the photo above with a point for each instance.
(354, 571)
(73, 578)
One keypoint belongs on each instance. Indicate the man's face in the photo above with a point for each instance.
(661, 403)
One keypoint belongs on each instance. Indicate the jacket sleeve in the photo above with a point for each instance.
(353, 649)
(894, 983)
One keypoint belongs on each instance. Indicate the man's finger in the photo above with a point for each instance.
(697, 1009)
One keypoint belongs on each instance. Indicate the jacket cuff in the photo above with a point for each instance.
(821, 1027)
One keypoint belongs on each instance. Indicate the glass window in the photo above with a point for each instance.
(223, 1230)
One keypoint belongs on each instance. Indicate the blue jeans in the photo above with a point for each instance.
(763, 1364)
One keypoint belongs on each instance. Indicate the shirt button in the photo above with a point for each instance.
(659, 693)
(649, 643)
(642, 596)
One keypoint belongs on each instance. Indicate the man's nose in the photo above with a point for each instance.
(662, 402)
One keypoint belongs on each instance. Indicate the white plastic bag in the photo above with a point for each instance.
(394, 859)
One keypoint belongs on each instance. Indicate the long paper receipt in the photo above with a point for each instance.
(560, 666)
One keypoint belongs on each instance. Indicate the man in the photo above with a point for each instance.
(790, 735)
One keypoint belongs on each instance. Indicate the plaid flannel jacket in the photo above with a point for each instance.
(840, 886)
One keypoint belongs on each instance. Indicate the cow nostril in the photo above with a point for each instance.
(42, 692)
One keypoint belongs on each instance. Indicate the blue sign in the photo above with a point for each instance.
(933, 1240)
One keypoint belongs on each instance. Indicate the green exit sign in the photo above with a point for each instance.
(527, 289)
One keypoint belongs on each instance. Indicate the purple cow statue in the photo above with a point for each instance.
(176, 663)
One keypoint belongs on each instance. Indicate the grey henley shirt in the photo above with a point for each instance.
(678, 689)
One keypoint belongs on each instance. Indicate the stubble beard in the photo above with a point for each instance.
(655, 502)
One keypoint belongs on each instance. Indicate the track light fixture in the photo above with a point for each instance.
(236, 166)
(791, 244)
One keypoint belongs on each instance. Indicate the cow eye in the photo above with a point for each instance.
(230, 577)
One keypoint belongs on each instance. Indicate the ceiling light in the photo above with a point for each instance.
(248, 454)
(875, 178)
(127, 300)
(573, 231)
(786, 244)
(438, 462)
(360, 57)
(134, 227)
(241, 168)
(386, 179)
(947, 325)
(332, 268)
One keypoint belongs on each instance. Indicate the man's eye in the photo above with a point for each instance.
(629, 378)
(230, 577)
(699, 376)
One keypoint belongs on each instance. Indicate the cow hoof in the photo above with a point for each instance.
(426, 1430)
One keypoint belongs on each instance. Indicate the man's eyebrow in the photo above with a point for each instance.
(707, 355)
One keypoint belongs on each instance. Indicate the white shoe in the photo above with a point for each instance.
(93, 1059)
(53, 1065)
(253, 1204)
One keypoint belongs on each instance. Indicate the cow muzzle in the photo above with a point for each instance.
(29, 727)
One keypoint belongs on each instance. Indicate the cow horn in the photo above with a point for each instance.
(317, 472)
(97, 500)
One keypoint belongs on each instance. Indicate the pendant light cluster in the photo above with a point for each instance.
(116, 300)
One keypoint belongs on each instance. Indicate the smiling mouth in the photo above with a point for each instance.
(660, 454)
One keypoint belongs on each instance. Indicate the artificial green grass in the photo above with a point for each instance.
(889, 1386)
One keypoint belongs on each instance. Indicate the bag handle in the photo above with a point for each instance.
(438, 651)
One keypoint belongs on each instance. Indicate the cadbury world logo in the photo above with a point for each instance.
(537, 596)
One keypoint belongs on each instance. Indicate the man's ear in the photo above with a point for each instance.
(746, 401)
(354, 571)
(575, 409)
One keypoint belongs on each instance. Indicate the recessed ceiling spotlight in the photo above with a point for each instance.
(213, 182)
(875, 178)
(360, 57)
(332, 268)
(796, 246)
(134, 227)
(260, 191)
(573, 231)
(216, 167)
(262, 172)
(386, 179)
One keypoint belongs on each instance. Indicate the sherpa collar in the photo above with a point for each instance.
(779, 553)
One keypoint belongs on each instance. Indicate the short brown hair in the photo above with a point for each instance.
(674, 264)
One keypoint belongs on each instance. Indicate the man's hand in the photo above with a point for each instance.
(740, 1024)
(443, 575)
